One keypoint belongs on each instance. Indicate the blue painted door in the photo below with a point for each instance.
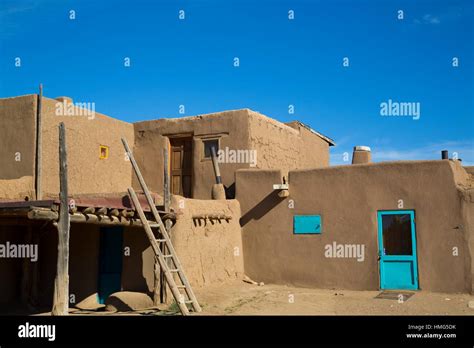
(397, 250)
(110, 261)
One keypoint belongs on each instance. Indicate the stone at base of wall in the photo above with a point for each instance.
(90, 303)
(126, 301)
(218, 192)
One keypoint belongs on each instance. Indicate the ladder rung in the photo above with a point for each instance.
(167, 256)
(188, 301)
(181, 286)
(174, 270)
(161, 240)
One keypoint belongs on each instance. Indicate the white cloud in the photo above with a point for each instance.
(430, 19)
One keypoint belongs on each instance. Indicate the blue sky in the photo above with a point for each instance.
(283, 62)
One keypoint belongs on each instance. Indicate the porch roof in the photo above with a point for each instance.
(108, 209)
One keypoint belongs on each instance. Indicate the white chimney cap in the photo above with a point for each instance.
(362, 148)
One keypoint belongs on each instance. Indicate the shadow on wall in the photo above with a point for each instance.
(230, 191)
(262, 208)
(138, 265)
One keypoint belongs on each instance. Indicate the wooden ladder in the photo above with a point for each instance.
(182, 299)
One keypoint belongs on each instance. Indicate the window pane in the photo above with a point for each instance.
(208, 144)
(397, 234)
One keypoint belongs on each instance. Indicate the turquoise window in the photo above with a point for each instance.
(307, 224)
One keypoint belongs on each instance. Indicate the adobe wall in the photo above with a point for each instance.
(348, 198)
(205, 249)
(151, 139)
(209, 250)
(464, 179)
(17, 147)
(87, 173)
(284, 147)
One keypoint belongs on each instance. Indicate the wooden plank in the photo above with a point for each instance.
(127, 213)
(169, 261)
(101, 211)
(39, 145)
(156, 215)
(61, 284)
(39, 214)
(159, 277)
(166, 205)
(88, 210)
(26, 204)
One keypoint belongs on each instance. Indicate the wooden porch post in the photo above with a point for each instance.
(61, 283)
(39, 142)
(166, 203)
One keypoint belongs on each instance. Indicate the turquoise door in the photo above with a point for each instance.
(397, 250)
(110, 261)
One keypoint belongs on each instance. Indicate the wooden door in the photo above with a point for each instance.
(181, 166)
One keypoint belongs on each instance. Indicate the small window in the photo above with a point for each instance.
(208, 145)
(104, 152)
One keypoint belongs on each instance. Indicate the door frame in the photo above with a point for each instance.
(382, 257)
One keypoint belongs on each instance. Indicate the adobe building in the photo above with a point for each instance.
(188, 140)
(369, 226)
(99, 174)
(288, 217)
(246, 139)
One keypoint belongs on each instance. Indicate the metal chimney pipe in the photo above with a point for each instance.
(444, 155)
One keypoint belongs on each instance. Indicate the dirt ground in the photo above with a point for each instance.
(239, 298)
